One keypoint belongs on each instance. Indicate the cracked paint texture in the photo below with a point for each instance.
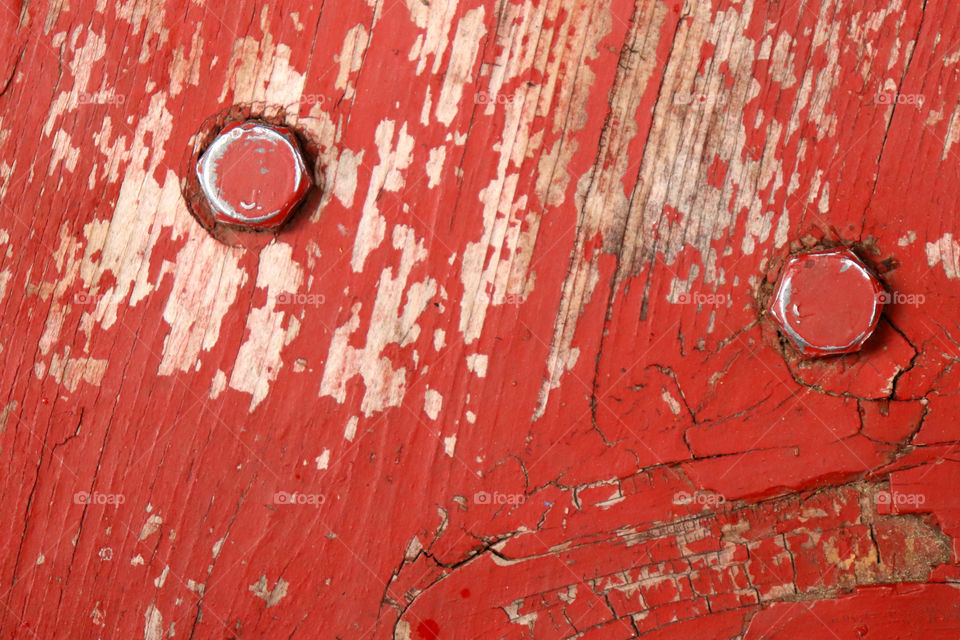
(509, 374)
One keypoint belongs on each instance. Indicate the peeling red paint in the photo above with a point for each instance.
(509, 373)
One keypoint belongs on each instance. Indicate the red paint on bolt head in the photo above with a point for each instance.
(253, 175)
(827, 302)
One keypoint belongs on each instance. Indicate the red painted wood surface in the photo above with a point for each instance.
(509, 374)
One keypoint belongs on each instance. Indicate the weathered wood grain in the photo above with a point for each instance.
(509, 373)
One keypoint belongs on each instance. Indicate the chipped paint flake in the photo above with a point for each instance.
(477, 363)
(153, 624)
(323, 460)
(150, 527)
(466, 45)
(345, 186)
(386, 176)
(260, 71)
(434, 166)
(435, 18)
(207, 279)
(162, 578)
(513, 613)
(258, 361)
(218, 384)
(270, 596)
(450, 445)
(390, 323)
(432, 402)
(351, 57)
(946, 253)
(350, 431)
(675, 408)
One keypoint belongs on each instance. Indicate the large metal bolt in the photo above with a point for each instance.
(827, 302)
(253, 175)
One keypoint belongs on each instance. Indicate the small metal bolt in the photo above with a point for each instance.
(827, 302)
(253, 175)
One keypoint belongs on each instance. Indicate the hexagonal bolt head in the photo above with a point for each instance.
(827, 302)
(253, 175)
